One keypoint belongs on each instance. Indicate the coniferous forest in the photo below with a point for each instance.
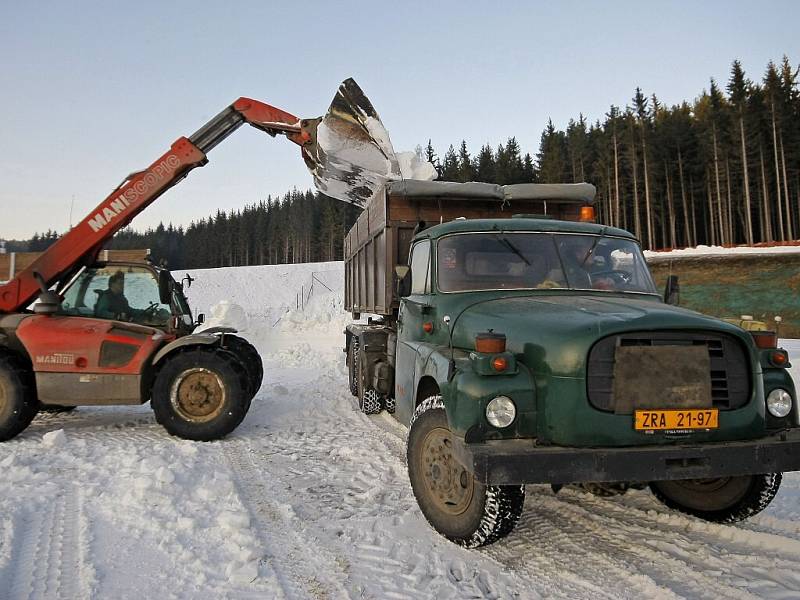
(723, 169)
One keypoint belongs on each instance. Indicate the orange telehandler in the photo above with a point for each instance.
(103, 333)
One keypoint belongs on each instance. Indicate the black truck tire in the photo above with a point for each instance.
(352, 369)
(250, 359)
(720, 500)
(460, 508)
(18, 403)
(369, 400)
(201, 394)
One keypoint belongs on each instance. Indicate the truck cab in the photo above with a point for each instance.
(537, 350)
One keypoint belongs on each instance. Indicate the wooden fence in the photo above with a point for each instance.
(14, 262)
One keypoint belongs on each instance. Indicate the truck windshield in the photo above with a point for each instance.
(508, 260)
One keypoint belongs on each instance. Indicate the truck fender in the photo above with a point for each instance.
(432, 363)
(194, 339)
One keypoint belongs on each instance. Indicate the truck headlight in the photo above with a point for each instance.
(779, 403)
(500, 412)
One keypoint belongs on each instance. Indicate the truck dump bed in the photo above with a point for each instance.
(381, 237)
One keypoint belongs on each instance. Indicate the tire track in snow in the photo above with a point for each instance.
(299, 568)
(731, 560)
(569, 559)
(346, 480)
(49, 559)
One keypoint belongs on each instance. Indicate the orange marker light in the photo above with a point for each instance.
(765, 339)
(427, 327)
(500, 363)
(778, 359)
(490, 342)
(587, 214)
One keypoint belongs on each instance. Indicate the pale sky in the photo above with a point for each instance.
(92, 91)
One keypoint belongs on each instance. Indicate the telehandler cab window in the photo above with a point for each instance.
(121, 293)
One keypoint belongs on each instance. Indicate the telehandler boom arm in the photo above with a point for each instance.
(81, 245)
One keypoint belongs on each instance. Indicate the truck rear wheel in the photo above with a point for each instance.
(250, 359)
(721, 500)
(463, 510)
(369, 400)
(18, 404)
(352, 369)
(201, 395)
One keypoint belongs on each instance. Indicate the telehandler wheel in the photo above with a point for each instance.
(201, 394)
(352, 368)
(463, 510)
(721, 500)
(18, 403)
(250, 359)
(369, 400)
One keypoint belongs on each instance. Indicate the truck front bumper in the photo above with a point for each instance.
(521, 461)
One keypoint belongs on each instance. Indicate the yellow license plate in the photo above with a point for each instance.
(657, 420)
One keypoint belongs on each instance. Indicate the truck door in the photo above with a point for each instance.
(409, 330)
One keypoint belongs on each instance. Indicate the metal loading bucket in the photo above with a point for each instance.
(350, 154)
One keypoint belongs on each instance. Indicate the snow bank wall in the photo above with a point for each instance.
(266, 292)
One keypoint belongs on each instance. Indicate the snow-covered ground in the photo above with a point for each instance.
(701, 250)
(309, 498)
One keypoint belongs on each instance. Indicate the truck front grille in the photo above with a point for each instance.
(730, 369)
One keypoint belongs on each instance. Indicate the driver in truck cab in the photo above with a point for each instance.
(112, 303)
(580, 260)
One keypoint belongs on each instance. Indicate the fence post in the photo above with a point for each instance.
(12, 266)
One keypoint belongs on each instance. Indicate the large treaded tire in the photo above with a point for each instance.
(488, 513)
(250, 359)
(723, 500)
(18, 403)
(201, 394)
(352, 369)
(369, 400)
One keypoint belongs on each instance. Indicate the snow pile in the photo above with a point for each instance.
(266, 292)
(412, 166)
(226, 314)
(719, 251)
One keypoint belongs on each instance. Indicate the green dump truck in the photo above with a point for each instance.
(522, 344)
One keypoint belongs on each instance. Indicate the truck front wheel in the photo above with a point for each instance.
(463, 510)
(18, 403)
(722, 499)
(201, 395)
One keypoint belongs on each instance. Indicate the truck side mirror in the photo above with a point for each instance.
(403, 274)
(672, 291)
(201, 318)
(164, 287)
